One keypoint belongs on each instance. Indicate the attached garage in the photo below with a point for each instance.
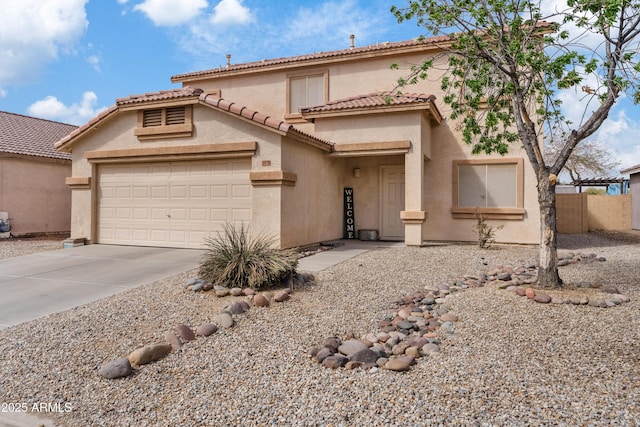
(172, 168)
(171, 204)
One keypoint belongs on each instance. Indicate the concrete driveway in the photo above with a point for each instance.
(32, 286)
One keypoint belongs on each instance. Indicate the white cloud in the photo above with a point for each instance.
(333, 22)
(77, 113)
(231, 12)
(619, 134)
(94, 60)
(3, 92)
(171, 12)
(33, 32)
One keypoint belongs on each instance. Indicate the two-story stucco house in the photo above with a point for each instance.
(275, 143)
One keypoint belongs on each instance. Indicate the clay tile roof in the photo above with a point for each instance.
(163, 95)
(86, 126)
(245, 112)
(212, 100)
(31, 136)
(335, 54)
(371, 100)
(343, 54)
(263, 119)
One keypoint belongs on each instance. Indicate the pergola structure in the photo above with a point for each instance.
(602, 182)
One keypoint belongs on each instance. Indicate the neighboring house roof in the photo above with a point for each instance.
(352, 53)
(197, 95)
(374, 102)
(31, 136)
(632, 170)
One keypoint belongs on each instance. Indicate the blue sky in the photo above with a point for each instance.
(66, 60)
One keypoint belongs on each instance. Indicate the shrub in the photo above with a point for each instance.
(236, 259)
(486, 232)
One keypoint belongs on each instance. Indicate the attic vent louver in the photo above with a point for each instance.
(175, 116)
(152, 118)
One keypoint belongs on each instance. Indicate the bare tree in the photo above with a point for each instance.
(508, 60)
(589, 158)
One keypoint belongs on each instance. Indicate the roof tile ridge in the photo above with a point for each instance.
(37, 118)
(101, 115)
(246, 112)
(186, 91)
(389, 45)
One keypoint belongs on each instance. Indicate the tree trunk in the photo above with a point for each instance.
(548, 270)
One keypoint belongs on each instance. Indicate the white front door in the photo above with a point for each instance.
(391, 202)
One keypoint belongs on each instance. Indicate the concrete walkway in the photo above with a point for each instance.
(349, 249)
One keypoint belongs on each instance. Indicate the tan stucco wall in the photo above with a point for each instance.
(440, 225)
(35, 195)
(346, 79)
(370, 128)
(440, 146)
(312, 209)
(211, 127)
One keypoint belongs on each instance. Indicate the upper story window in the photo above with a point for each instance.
(169, 122)
(305, 91)
(493, 187)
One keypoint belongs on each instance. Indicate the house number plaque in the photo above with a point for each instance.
(349, 217)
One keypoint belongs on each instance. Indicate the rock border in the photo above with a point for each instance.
(182, 334)
(414, 330)
(409, 334)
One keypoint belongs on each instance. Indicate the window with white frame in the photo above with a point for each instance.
(305, 91)
(493, 187)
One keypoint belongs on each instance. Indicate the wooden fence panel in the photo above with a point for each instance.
(571, 213)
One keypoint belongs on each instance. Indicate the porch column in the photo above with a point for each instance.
(414, 216)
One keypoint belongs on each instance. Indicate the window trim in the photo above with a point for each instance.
(181, 130)
(296, 117)
(512, 213)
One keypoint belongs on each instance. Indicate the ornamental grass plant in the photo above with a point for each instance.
(236, 258)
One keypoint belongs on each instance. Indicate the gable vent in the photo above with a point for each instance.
(176, 116)
(152, 118)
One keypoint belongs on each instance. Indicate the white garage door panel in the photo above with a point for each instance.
(176, 204)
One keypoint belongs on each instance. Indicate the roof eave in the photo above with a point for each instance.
(34, 157)
(632, 170)
(429, 107)
(158, 103)
(257, 119)
(65, 145)
(308, 62)
(435, 43)
(309, 139)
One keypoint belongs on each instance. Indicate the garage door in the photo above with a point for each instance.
(171, 204)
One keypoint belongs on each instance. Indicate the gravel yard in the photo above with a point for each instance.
(17, 247)
(509, 361)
